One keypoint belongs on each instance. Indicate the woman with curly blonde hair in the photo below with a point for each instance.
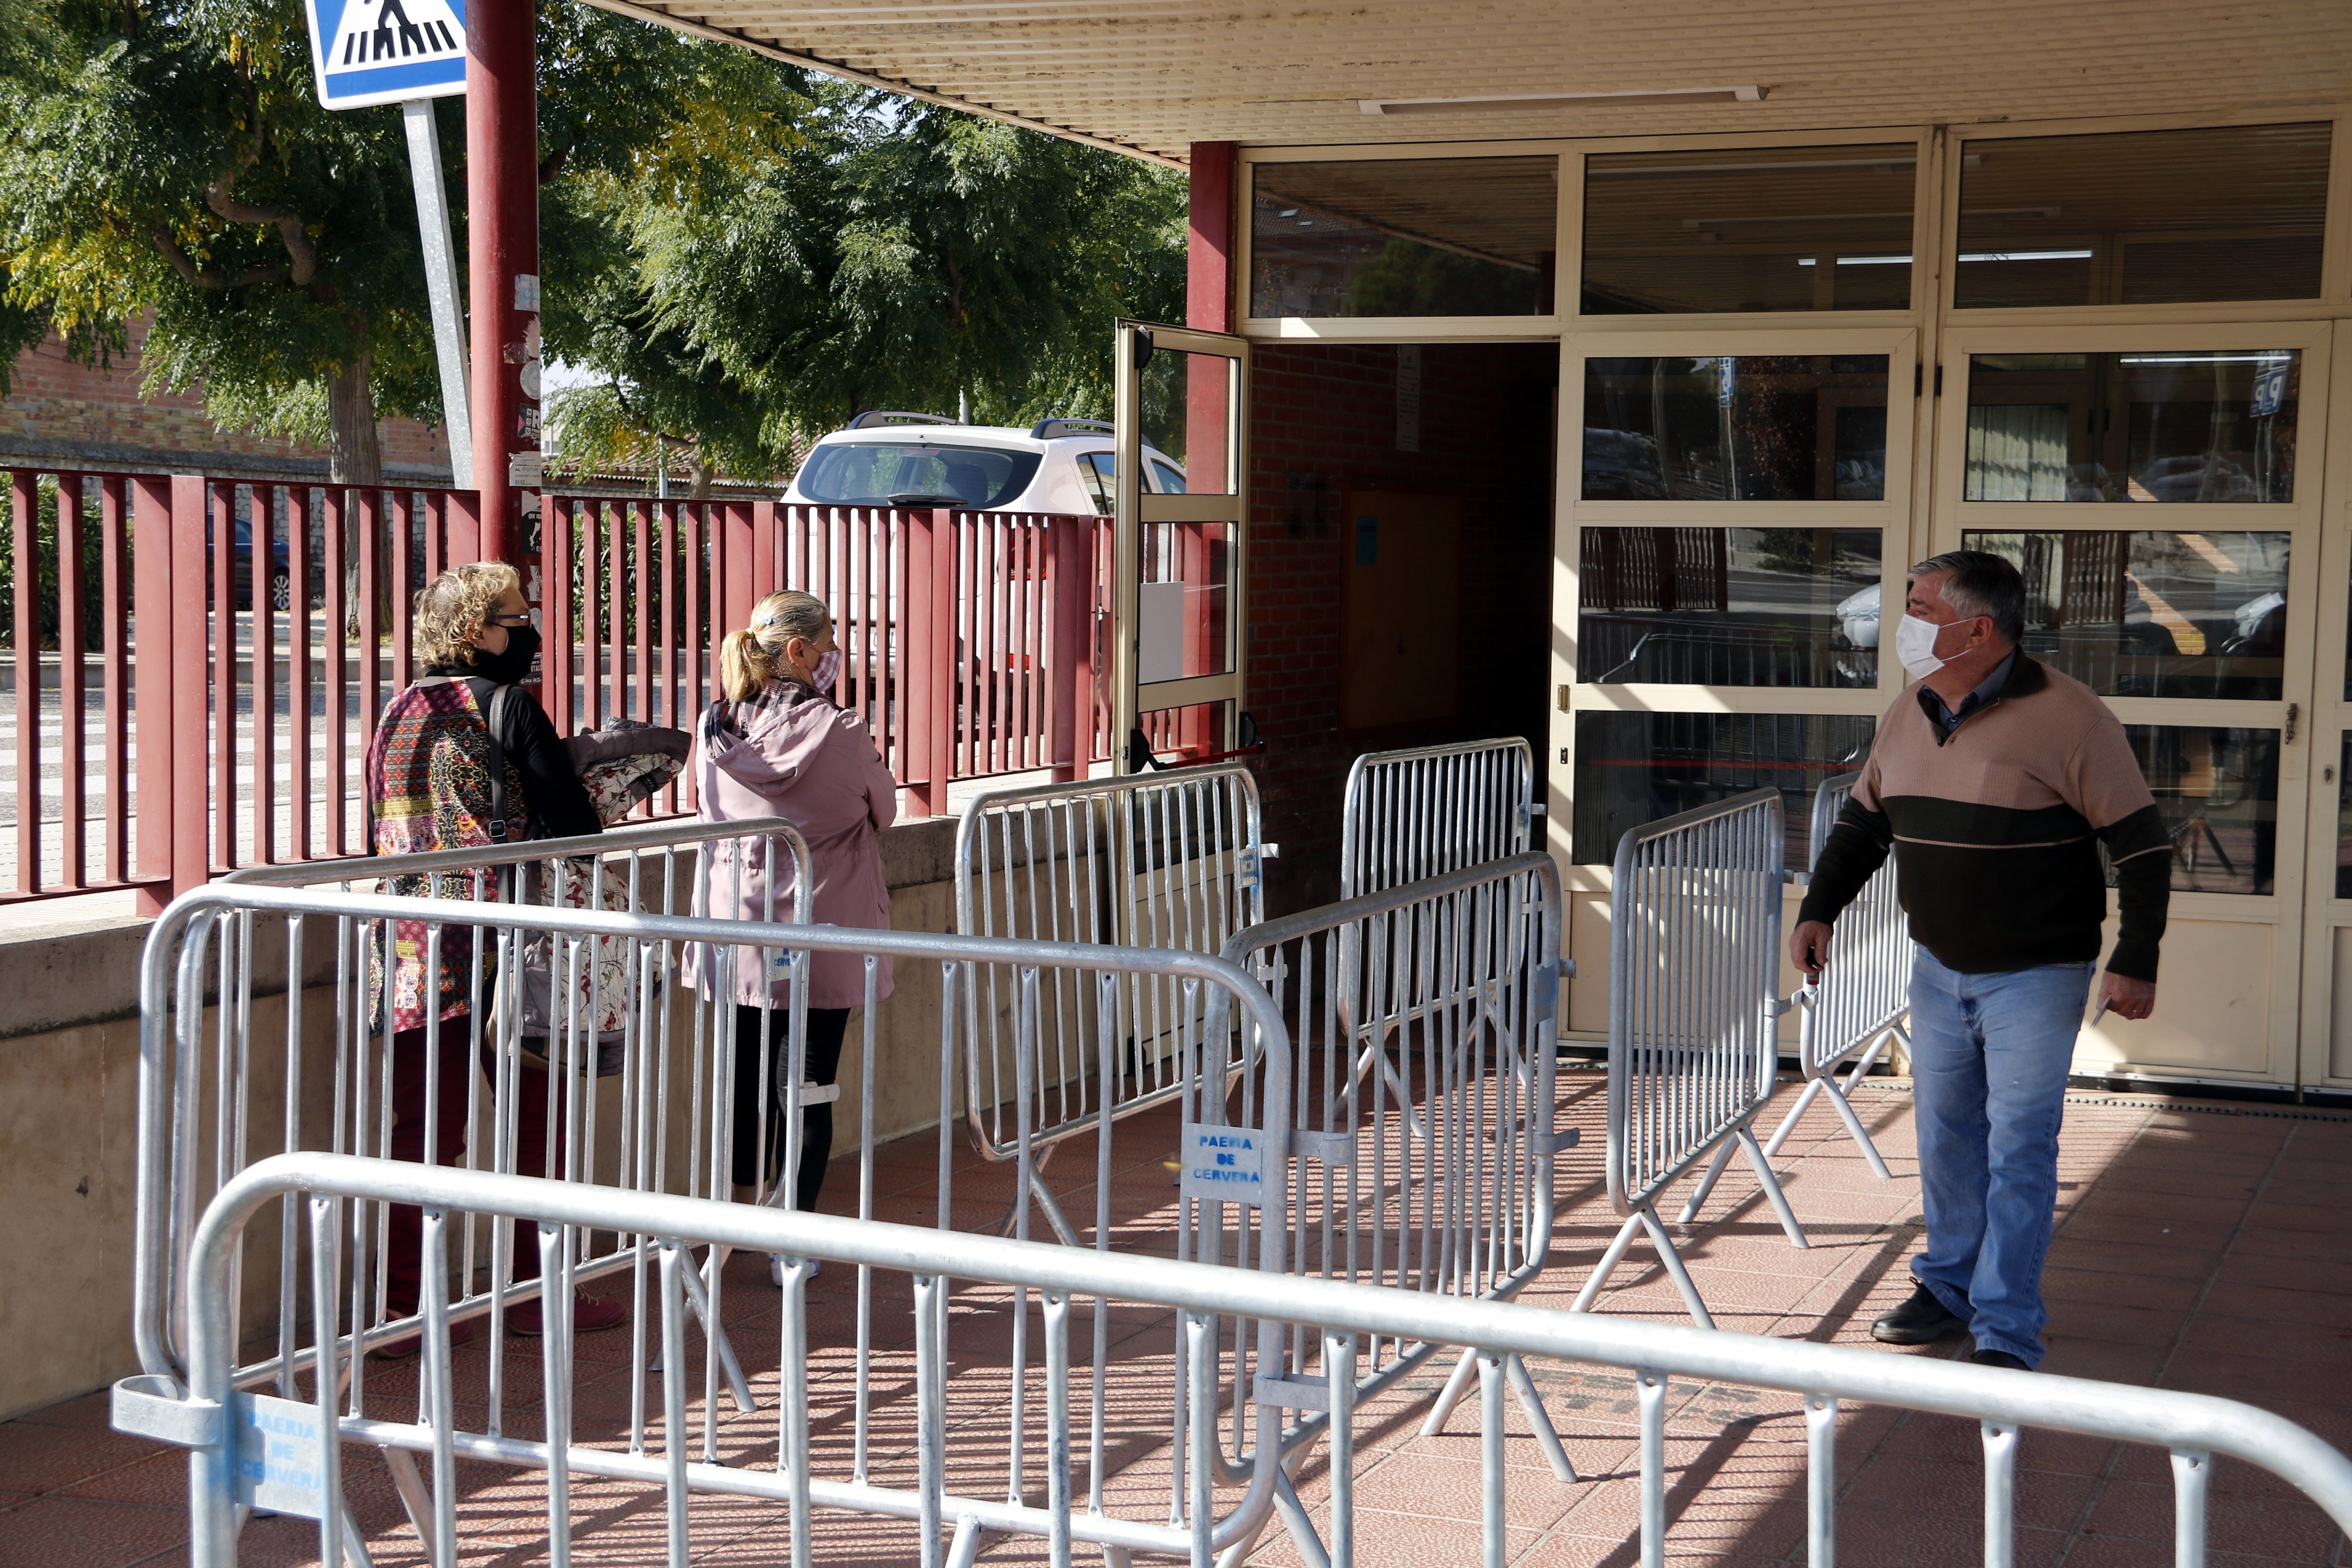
(430, 787)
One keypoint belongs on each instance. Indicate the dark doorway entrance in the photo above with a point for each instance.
(1400, 567)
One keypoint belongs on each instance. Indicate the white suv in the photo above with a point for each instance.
(1056, 465)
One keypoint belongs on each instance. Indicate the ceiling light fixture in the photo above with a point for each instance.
(1527, 101)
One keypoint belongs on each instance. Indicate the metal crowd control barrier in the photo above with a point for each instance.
(1433, 809)
(1864, 995)
(1170, 859)
(299, 1471)
(1426, 1017)
(1694, 953)
(531, 997)
(173, 1031)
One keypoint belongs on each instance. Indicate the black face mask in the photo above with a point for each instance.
(511, 668)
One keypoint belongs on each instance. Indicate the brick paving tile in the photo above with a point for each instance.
(2185, 1257)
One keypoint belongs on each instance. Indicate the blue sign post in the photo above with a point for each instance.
(409, 52)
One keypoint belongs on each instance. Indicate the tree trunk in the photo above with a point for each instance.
(702, 472)
(354, 455)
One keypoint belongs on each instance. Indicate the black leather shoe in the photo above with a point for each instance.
(1921, 1320)
(1998, 1358)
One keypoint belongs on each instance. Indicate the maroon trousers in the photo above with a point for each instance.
(536, 1154)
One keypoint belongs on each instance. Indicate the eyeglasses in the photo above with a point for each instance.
(528, 618)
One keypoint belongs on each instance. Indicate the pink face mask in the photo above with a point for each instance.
(828, 668)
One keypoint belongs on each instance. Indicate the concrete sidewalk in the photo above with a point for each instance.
(2200, 1247)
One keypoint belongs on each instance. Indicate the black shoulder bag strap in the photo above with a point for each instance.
(494, 713)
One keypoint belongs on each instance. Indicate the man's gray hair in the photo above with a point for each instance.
(1976, 582)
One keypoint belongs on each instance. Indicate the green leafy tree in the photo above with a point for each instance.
(714, 114)
(899, 255)
(171, 159)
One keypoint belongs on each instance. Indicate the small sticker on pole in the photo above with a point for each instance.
(367, 52)
(1224, 1165)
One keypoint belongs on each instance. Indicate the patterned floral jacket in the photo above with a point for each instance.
(428, 776)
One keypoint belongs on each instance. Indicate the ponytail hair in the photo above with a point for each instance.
(752, 656)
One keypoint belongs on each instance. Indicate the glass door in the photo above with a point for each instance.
(2159, 489)
(1180, 548)
(1733, 500)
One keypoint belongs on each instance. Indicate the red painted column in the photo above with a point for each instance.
(502, 265)
(1208, 305)
(1208, 250)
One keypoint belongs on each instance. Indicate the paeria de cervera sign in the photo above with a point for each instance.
(1224, 1165)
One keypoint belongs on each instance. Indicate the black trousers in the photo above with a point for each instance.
(827, 1028)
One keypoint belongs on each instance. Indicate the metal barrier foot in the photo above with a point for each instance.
(965, 1549)
(1295, 1521)
(1455, 1386)
(410, 1484)
(1672, 1262)
(1539, 1419)
(1796, 1112)
(1827, 1083)
(1705, 1184)
(1859, 1133)
(355, 1551)
(1771, 1185)
(1600, 1270)
(698, 1298)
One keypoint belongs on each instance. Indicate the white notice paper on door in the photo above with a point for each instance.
(1159, 633)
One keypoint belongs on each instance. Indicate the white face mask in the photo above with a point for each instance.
(1915, 646)
(828, 665)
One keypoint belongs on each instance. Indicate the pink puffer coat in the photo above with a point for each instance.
(790, 753)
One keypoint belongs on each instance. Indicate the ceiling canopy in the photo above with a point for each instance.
(1151, 77)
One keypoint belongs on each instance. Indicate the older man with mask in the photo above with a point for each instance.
(1996, 782)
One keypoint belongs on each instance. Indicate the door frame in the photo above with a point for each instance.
(1135, 505)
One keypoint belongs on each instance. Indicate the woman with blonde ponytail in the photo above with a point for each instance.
(776, 745)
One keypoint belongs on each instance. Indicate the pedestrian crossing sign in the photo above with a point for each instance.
(386, 51)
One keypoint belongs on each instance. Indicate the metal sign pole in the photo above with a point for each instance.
(441, 284)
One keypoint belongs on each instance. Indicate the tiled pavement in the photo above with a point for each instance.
(2198, 1248)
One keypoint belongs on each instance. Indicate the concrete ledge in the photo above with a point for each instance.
(79, 972)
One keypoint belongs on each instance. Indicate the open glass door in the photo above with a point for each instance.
(1181, 550)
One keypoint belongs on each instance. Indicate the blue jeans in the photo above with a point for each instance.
(1989, 1060)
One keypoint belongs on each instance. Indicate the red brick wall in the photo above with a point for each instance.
(1322, 422)
(61, 410)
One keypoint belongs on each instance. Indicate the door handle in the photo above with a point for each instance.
(2293, 710)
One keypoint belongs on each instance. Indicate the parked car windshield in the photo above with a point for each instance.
(864, 474)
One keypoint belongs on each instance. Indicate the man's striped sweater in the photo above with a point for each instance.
(1996, 830)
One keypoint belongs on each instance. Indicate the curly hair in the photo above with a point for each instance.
(455, 604)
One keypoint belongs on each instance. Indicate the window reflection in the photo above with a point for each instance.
(2142, 217)
(1634, 768)
(1761, 228)
(1412, 236)
(2207, 425)
(2218, 793)
(1758, 428)
(2153, 614)
(1728, 606)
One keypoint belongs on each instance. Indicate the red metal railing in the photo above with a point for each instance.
(240, 639)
